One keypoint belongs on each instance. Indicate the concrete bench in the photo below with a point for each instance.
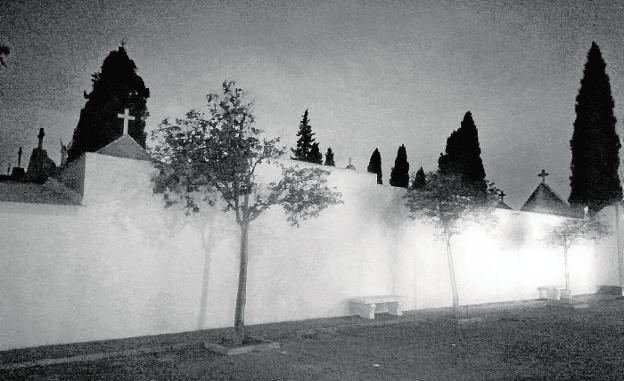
(553, 292)
(366, 306)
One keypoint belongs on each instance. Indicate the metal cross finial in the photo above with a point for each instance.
(123, 42)
(126, 117)
(40, 137)
(543, 175)
(19, 157)
(502, 196)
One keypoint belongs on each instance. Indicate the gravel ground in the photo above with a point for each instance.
(550, 343)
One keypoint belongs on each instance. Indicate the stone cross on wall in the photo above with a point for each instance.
(543, 175)
(126, 117)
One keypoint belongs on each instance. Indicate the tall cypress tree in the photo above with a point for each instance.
(374, 165)
(419, 180)
(463, 154)
(329, 157)
(316, 156)
(399, 175)
(595, 144)
(305, 141)
(115, 88)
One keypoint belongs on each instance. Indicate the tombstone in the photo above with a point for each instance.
(18, 172)
(40, 166)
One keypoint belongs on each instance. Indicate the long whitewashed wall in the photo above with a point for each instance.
(121, 265)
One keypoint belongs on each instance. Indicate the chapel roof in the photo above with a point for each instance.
(503, 205)
(125, 147)
(545, 200)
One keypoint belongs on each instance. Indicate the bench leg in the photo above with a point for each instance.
(395, 309)
(366, 311)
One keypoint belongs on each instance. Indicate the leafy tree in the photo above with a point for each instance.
(463, 154)
(4, 52)
(316, 156)
(399, 175)
(205, 159)
(595, 144)
(570, 232)
(115, 88)
(305, 141)
(419, 179)
(329, 157)
(446, 200)
(374, 165)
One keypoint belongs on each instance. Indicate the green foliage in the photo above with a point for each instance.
(329, 157)
(399, 175)
(463, 155)
(374, 165)
(595, 144)
(4, 52)
(573, 230)
(419, 180)
(202, 159)
(316, 156)
(446, 199)
(115, 88)
(305, 141)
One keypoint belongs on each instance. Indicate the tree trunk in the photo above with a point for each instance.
(241, 294)
(451, 265)
(567, 273)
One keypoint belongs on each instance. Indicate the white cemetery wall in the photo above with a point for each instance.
(121, 265)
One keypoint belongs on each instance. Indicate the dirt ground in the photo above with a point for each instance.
(550, 343)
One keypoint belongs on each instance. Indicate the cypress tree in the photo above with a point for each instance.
(419, 179)
(316, 156)
(463, 154)
(115, 88)
(329, 157)
(399, 175)
(305, 141)
(595, 144)
(374, 165)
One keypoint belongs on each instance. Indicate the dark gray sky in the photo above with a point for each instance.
(372, 74)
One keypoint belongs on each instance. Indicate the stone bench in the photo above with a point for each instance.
(553, 292)
(366, 306)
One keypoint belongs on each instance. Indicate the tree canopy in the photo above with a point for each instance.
(116, 87)
(305, 142)
(316, 156)
(374, 165)
(419, 179)
(329, 157)
(463, 154)
(595, 144)
(399, 175)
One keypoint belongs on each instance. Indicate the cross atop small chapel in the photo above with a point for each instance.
(502, 196)
(543, 175)
(126, 117)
